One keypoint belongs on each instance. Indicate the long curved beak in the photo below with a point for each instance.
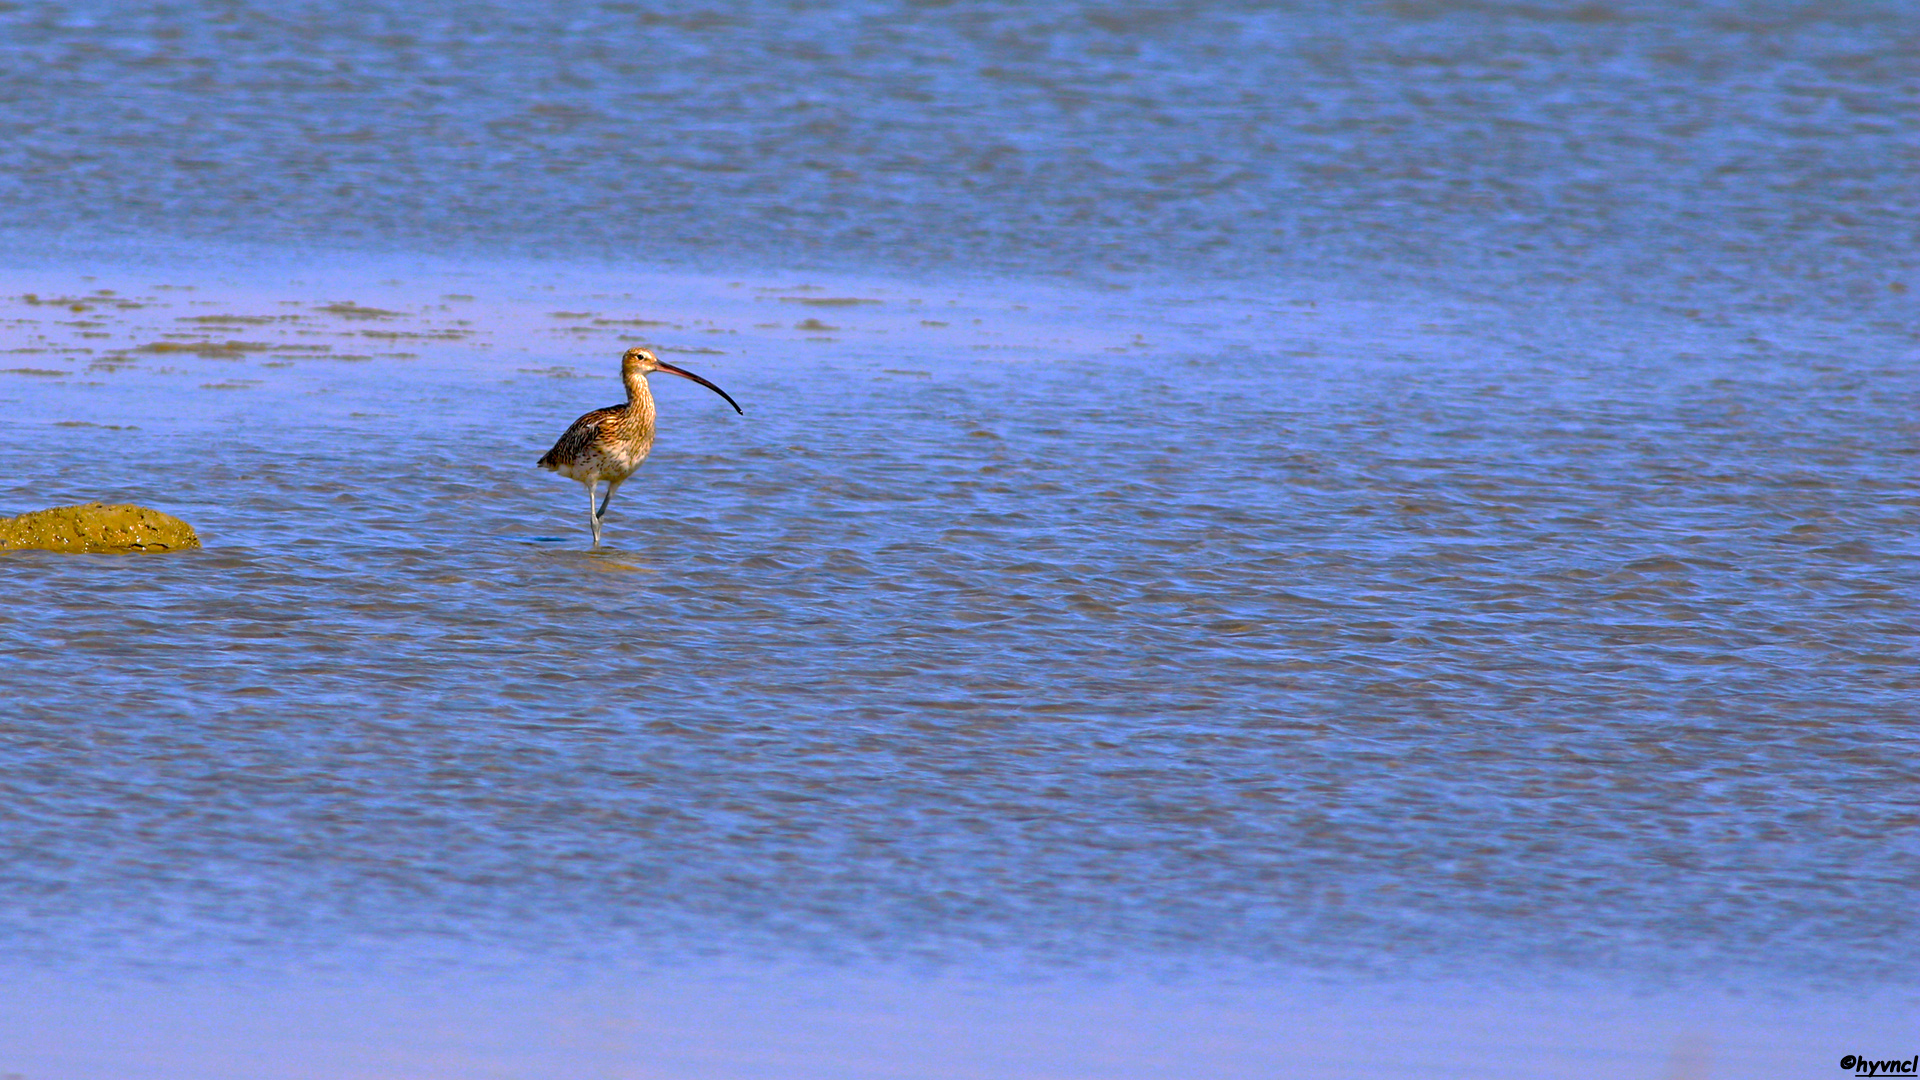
(670, 369)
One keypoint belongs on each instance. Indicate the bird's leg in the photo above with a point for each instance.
(612, 486)
(593, 519)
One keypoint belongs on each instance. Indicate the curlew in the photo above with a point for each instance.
(608, 444)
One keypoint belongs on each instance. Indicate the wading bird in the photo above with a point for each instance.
(608, 444)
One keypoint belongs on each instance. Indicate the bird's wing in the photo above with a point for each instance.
(578, 437)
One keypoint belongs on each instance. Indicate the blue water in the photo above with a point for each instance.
(1414, 491)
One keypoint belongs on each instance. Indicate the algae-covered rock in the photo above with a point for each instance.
(97, 527)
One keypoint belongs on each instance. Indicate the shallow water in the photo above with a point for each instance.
(1181, 657)
(1707, 157)
(1380, 498)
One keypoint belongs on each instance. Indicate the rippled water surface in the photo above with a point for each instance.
(1309, 655)
(1419, 492)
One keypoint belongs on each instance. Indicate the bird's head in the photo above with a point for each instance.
(638, 361)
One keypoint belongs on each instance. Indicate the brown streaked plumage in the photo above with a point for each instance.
(608, 444)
